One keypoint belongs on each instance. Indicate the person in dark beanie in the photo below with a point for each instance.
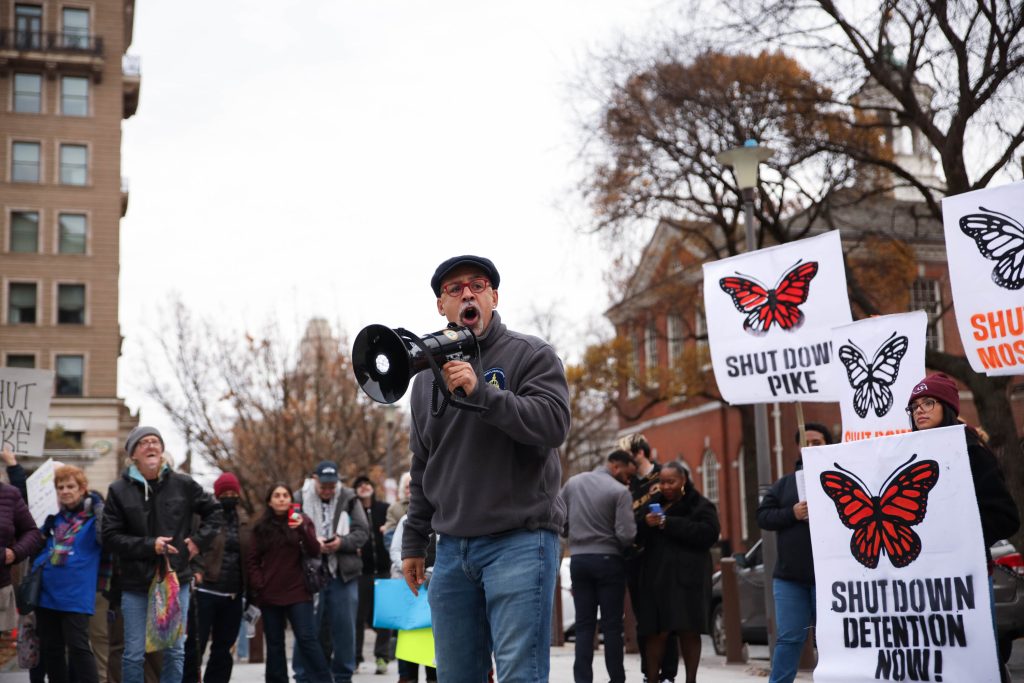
(935, 402)
(486, 477)
(376, 565)
(220, 588)
(147, 518)
(782, 511)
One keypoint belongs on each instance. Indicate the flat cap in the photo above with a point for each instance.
(468, 260)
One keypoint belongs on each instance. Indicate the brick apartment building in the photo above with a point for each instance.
(665, 330)
(65, 86)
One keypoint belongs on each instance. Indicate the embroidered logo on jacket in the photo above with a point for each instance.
(495, 377)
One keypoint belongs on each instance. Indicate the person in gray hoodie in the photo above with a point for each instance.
(486, 478)
(600, 527)
(342, 530)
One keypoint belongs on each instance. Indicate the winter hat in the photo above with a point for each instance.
(139, 433)
(226, 482)
(484, 264)
(939, 386)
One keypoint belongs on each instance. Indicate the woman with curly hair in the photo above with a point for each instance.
(282, 537)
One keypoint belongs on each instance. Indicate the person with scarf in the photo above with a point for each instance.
(70, 563)
(675, 571)
(148, 524)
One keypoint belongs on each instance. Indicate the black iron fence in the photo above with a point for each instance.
(45, 41)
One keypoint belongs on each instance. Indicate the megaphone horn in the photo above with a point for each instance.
(386, 359)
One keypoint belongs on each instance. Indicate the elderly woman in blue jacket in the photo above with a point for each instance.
(70, 563)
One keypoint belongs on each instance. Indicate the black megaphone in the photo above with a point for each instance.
(386, 359)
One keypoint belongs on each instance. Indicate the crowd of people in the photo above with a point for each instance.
(478, 515)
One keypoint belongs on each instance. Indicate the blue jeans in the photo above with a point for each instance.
(494, 591)
(794, 614)
(133, 607)
(337, 604)
(300, 615)
(598, 580)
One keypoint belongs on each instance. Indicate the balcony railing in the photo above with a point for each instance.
(39, 41)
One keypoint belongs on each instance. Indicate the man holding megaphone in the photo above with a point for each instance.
(486, 477)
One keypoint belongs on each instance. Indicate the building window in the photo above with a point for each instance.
(28, 26)
(24, 232)
(926, 295)
(76, 28)
(74, 96)
(71, 304)
(21, 360)
(709, 468)
(74, 163)
(700, 331)
(70, 375)
(21, 303)
(632, 385)
(25, 162)
(28, 93)
(651, 352)
(73, 232)
(674, 327)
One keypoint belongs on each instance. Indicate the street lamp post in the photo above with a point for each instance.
(745, 161)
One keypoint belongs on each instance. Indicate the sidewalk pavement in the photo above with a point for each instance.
(713, 668)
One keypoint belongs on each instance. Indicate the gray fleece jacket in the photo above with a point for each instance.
(600, 510)
(483, 473)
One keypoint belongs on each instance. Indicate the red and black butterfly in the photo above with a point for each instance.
(766, 307)
(882, 523)
(999, 238)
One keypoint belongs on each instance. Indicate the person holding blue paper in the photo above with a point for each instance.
(486, 477)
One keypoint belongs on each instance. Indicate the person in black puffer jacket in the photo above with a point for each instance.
(148, 520)
(376, 565)
(781, 510)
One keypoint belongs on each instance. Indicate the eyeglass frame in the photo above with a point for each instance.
(927, 403)
(466, 283)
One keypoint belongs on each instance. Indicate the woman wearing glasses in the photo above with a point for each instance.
(935, 402)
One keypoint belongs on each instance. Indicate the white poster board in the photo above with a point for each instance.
(24, 406)
(42, 494)
(899, 561)
(985, 250)
(770, 315)
(880, 360)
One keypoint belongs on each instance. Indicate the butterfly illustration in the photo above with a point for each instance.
(766, 307)
(882, 523)
(872, 383)
(999, 238)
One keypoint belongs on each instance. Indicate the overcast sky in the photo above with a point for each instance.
(320, 158)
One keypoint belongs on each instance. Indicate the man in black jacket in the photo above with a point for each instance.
(376, 565)
(781, 510)
(147, 522)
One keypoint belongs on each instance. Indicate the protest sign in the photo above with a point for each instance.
(985, 250)
(880, 359)
(770, 315)
(42, 494)
(899, 561)
(24, 406)
(416, 646)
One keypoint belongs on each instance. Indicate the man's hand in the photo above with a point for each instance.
(193, 549)
(8, 556)
(459, 375)
(413, 569)
(800, 511)
(326, 548)
(7, 455)
(162, 546)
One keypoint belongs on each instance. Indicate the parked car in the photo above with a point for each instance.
(1007, 584)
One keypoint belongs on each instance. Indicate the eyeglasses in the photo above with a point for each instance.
(150, 442)
(925, 404)
(476, 285)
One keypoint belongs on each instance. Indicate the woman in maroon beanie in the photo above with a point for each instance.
(274, 565)
(935, 402)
